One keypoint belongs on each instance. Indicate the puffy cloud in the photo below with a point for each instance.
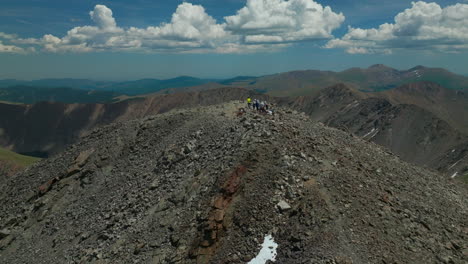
(7, 36)
(251, 48)
(102, 16)
(190, 28)
(191, 22)
(276, 21)
(262, 25)
(423, 26)
(10, 49)
(356, 50)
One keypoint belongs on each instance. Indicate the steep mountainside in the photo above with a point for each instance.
(449, 105)
(45, 128)
(415, 134)
(206, 185)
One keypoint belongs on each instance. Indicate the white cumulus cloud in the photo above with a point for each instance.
(103, 17)
(262, 25)
(190, 28)
(423, 26)
(275, 21)
(10, 48)
(7, 36)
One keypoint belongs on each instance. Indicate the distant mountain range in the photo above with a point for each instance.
(106, 89)
(296, 83)
(33, 94)
(375, 78)
(126, 87)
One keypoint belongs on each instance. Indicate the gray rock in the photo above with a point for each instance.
(4, 233)
(283, 206)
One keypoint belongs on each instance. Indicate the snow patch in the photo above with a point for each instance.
(372, 133)
(453, 165)
(454, 175)
(417, 74)
(351, 105)
(373, 129)
(375, 134)
(268, 251)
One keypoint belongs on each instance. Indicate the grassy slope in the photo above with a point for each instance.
(16, 159)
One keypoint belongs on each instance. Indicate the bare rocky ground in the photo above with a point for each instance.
(205, 185)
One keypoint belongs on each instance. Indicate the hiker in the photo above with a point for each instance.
(249, 102)
(256, 104)
(262, 106)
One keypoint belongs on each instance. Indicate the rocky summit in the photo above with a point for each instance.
(208, 184)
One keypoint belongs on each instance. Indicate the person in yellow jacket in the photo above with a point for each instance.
(249, 102)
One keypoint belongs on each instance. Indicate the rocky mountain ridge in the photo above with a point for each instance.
(46, 128)
(205, 185)
(417, 132)
(423, 123)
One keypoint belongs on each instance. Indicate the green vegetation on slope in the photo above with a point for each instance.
(16, 159)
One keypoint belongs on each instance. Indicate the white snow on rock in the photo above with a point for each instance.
(372, 133)
(453, 165)
(373, 129)
(268, 251)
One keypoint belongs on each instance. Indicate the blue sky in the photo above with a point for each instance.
(141, 39)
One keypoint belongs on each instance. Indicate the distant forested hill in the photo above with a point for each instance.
(31, 95)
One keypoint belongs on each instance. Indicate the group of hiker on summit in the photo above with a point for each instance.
(261, 106)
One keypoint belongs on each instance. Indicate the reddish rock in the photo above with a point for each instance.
(219, 215)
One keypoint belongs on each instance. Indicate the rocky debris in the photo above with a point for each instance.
(80, 161)
(4, 233)
(417, 130)
(283, 206)
(66, 123)
(8, 169)
(205, 185)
